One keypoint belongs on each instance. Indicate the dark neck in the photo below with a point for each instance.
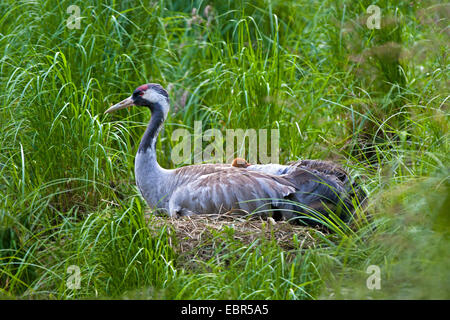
(151, 133)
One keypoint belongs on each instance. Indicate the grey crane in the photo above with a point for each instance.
(283, 191)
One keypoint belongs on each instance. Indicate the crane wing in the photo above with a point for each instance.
(229, 189)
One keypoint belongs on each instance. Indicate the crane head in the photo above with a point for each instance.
(151, 95)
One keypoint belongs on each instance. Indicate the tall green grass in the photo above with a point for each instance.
(373, 100)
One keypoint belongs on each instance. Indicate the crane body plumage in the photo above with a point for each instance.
(219, 188)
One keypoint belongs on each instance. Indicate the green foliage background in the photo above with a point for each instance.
(373, 100)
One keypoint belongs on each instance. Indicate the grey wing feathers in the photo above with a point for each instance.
(344, 190)
(326, 167)
(222, 191)
(265, 189)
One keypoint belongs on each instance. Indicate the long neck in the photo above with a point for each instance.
(148, 142)
(150, 177)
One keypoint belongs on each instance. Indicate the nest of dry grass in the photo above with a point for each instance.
(201, 235)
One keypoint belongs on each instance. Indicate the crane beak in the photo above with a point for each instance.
(128, 102)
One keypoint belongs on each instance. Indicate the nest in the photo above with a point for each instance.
(199, 236)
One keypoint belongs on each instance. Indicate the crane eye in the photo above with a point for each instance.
(141, 93)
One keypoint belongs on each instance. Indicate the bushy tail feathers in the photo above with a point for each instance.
(323, 191)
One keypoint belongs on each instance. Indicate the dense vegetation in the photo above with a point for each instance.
(374, 100)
